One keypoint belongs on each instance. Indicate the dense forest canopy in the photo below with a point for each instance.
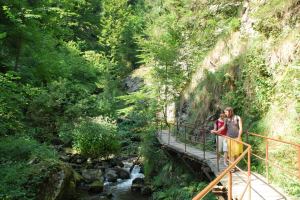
(65, 67)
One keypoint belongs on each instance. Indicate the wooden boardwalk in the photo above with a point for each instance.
(260, 190)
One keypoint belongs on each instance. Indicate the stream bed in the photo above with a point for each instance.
(122, 189)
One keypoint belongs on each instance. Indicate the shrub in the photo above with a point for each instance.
(24, 166)
(96, 138)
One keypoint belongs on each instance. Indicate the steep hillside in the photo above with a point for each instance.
(254, 69)
(206, 55)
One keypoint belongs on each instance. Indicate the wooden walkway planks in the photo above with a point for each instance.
(260, 190)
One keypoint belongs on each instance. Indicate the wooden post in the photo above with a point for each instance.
(267, 159)
(229, 186)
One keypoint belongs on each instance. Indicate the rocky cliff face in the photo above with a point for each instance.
(256, 65)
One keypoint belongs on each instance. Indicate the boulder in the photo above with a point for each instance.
(111, 175)
(77, 158)
(146, 190)
(137, 184)
(136, 188)
(78, 178)
(60, 185)
(122, 173)
(132, 84)
(64, 158)
(142, 169)
(139, 181)
(115, 163)
(96, 186)
(91, 175)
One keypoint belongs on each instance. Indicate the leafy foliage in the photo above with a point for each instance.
(96, 138)
(25, 164)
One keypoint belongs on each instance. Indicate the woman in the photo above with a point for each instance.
(222, 143)
(234, 127)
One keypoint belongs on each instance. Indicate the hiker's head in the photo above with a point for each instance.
(228, 112)
(222, 116)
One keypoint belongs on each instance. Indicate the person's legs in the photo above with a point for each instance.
(220, 146)
(225, 150)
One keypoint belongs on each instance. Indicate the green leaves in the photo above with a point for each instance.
(3, 35)
(96, 138)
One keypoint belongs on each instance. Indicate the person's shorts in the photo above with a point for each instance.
(222, 145)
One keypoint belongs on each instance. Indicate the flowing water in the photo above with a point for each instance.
(121, 190)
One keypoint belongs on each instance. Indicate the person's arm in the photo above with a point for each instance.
(220, 129)
(240, 128)
(215, 128)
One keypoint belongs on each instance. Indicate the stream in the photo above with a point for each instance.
(122, 189)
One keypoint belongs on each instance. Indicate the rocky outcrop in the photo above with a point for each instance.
(132, 84)
(137, 184)
(91, 175)
(60, 185)
(111, 175)
(96, 186)
(122, 173)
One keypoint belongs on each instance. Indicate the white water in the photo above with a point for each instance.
(122, 189)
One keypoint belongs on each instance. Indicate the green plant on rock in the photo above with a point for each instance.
(96, 138)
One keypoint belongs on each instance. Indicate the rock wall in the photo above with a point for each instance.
(280, 44)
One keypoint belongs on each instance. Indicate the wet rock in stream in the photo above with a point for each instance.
(96, 179)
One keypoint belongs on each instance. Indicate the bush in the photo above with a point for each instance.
(96, 138)
(24, 148)
(24, 166)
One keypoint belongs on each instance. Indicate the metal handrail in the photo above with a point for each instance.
(267, 160)
(274, 139)
(207, 189)
(213, 183)
(232, 165)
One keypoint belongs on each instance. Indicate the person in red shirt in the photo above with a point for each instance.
(222, 143)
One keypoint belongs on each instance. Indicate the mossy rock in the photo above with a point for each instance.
(96, 186)
(60, 185)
